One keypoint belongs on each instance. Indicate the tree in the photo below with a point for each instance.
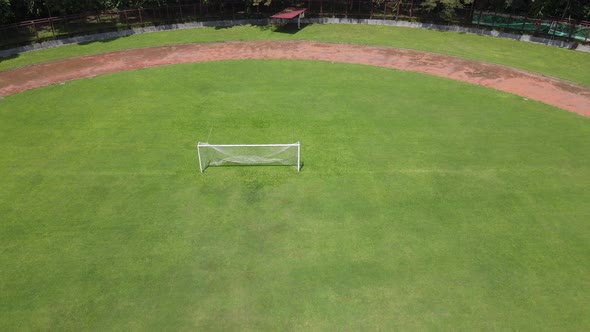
(576, 9)
(445, 8)
(6, 14)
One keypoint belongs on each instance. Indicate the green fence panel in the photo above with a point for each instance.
(523, 24)
(581, 33)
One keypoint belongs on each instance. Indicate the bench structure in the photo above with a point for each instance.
(291, 13)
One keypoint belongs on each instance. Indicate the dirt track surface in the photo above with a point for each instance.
(563, 94)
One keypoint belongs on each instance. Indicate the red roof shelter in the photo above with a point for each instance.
(291, 13)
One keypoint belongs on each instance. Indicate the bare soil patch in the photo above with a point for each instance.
(563, 94)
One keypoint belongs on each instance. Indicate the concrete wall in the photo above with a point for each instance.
(124, 33)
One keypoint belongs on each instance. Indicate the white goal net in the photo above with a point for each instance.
(248, 154)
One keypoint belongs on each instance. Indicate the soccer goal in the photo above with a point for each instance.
(248, 154)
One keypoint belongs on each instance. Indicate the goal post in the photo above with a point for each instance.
(248, 154)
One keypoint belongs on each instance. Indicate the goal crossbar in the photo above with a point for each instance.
(248, 154)
(246, 145)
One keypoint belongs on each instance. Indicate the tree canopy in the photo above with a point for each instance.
(19, 10)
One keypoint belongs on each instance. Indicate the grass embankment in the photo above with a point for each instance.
(420, 206)
(551, 61)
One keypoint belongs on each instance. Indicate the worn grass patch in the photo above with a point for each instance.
(552, 61)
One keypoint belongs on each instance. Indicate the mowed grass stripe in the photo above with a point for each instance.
(423, 203)
(561, 63)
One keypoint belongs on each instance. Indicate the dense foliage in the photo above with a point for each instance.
(19, 10)
(575, 9)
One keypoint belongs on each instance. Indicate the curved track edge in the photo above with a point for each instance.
(563, 94)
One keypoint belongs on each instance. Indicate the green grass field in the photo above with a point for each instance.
(424, 204)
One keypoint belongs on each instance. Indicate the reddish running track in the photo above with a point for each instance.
(552, 91)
